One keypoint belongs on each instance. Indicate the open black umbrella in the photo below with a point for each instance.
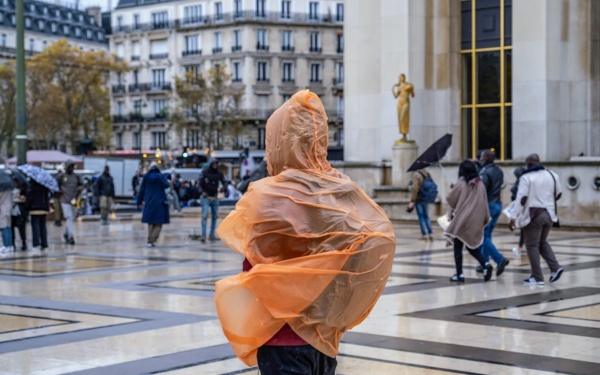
(6, 181)
(19, 176)
(433, 154)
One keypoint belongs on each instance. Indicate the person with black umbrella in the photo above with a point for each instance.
(19, 215)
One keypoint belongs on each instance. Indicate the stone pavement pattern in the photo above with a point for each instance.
(109, 305)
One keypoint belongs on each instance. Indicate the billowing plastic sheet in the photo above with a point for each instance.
(320, 248)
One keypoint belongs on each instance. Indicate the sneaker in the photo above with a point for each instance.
(57, 223)
(66, 237)
(532, 281)
(71, 241)
(150, 245)
(3, 249)
(458, 278)
(487, 272)
(203, 239)
(556, 275)
(213, 238)
(517, 251)
(479, 269)
(430, 238)
(24, 248)
(501, 266)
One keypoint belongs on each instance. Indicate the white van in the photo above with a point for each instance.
(231, 160)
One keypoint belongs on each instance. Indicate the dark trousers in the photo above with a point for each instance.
(38, 231)
(458, 257)
(294, 360)
(19, 222)
(153, 232)
(536, 241)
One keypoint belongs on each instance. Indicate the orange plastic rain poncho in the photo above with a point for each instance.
(320, 248)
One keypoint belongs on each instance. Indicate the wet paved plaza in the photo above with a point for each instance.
(109, 305)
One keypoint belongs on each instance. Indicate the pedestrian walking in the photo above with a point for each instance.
(153, 201)
(318, 252)
(105, 190)
(423, 188)
(69, 184)
(493, 179)
(19, 215)
(468, 215)
(209, 180)
(58, 213)
(38, 204)
(174, 190)
(539, 189)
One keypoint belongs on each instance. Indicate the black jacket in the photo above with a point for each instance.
(492, 178)
(210, 178)
(37, 198)
(105, 186)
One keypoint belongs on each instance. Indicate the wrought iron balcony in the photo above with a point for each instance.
(217, 50)
(236, 48)
(118, 89)
(287, 48)
(156, 56)
(262, 47)
(191, 52)
(316, 49)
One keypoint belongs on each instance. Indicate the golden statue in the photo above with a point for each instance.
(403, 90)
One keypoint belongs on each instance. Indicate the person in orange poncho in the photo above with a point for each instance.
(318, 251)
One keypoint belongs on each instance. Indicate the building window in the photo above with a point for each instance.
(69, 16)
(32, 8)
(137, 140)
(340, 108)
(339, 15)
(237, 71)
(27, 22)
(100, 36)
(315, 73)
(237, 40)
(287, 43)
(3, 40)
(315, 42)
(260, 8)
(160, 20)
(92, 21)
(1, 17)
(158, 78)
(120, 141)
(191, 70)
(135, 51)
(339, 73)
(45, 11)
(159, 49)
(261, 40)
(193, 138)
(286, 97)
(41, 25)
(66, 29)
(486, 92)
(135, 77)
(218, 11)
(237, 8)
(313, 10)
(120, 26)
(44, 44)
(77, 32)
(159, 107)
(120, 51)
(288, 72)
(340, 43)
(57, 13)
(263, 71)
(120, 106)
(218, 48)
(53, 27)
(159, 139)
(286, 9)
(192, 14)
(192, 45)
(136, 22)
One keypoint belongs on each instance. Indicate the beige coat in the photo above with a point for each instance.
(469, 213)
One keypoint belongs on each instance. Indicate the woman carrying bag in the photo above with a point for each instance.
(468, 215)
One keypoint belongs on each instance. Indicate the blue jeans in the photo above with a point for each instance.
(488, 249)
(7, 236)
(213, 203)
(423, 215)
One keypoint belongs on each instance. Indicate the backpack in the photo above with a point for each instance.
(429, 190)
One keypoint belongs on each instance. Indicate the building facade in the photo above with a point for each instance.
(271, 48)
(516, 76)
(45, 23)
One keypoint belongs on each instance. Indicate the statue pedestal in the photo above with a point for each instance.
(404, 155)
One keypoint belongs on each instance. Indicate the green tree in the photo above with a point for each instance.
(7, 107)
(208, 103)
(68, 93)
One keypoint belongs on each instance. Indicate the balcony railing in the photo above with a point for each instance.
(217, 50)
(236, 48)
(138, 87)
(340, 50)
(248, 15)
(160, 86)
(118, 89)
(316, 49)
(192, 52)
(262, 80)
(288, 80)
(135, 58)
(156, 56)
(287, 48)
(338, 81)
(262, 47)
(315, 81)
